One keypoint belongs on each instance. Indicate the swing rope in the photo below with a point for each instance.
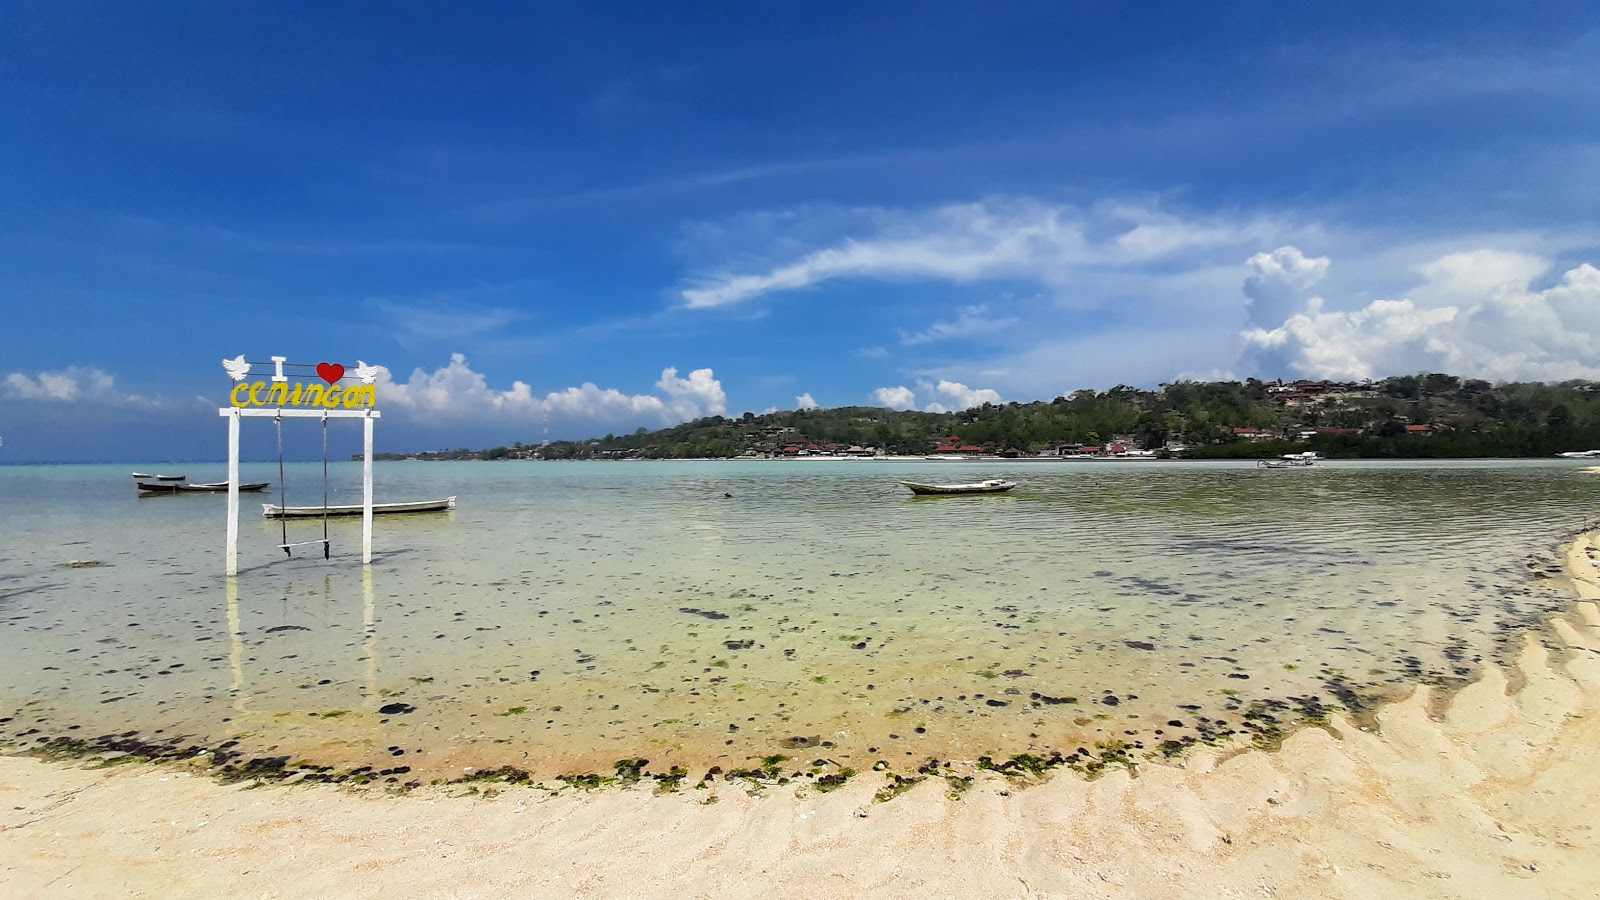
(283, 494)
(325, 550)
(283, 491)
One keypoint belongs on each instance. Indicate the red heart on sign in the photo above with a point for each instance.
(330, 372)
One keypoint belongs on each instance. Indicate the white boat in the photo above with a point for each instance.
(317, 512)
(144, 476)
(1291, 461)
(992, 486)
(1580, 454)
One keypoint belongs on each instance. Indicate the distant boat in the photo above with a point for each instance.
(1291, 461)
(1580, 454)
(992, 486)
(216, 487)
(148, 477)
(317, 512)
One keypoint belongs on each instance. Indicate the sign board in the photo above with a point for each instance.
(277, 391)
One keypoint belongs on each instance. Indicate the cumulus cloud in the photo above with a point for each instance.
(1000, 238)
(943, 396)
(962, 397)
(698, 395)
(1279, 284)
(457, 392)
(73, 384)
(804, 401)
(900, 397)
(1474, 313)
(971, 321)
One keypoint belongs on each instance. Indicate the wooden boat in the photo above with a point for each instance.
(216, 487)
(1290, 461)
(147, 477)
(317, 512)
(992, 486)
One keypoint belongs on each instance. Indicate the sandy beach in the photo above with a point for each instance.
(1491, 794)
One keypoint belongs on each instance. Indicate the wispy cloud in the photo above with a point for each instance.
(971, 321)
(71, 385)
(1000, 238)
(443, 321)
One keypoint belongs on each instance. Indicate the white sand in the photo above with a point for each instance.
(1499, 797)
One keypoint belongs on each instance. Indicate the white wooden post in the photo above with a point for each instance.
(233, 492)
(366, 492)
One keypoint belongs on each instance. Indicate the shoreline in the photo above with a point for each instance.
(1489, 792)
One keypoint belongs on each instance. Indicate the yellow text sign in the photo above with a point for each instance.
(303, 396)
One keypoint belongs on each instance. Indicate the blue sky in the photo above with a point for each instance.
(627, 214)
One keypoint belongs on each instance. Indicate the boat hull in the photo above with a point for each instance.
(317, 512)
(948, 490)
(220, 487)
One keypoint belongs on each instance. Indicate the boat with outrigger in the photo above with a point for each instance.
(183, 487)
(272, 511)
(991, 486)
(1291, 461)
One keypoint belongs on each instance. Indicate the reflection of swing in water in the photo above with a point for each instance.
(283, 492)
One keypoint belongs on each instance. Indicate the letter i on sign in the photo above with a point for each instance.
(278, 361)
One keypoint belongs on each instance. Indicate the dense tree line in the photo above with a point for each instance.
(1468, 418)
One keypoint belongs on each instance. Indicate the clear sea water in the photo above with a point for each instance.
(567, 615)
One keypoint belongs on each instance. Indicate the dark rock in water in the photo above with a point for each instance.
(1015, 673)
(396, 709)
(996, 703)
(1140, 645)
(797, 742)
(277, 628)
(1240, 675)
(707, 613)
(1110, 700)
(738, 645)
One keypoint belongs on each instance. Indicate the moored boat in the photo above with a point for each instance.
(317, 512)
(1291, 461)
(992, 486)
(215, 487)
(145, 476)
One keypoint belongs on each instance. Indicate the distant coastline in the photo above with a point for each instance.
(1429, 416)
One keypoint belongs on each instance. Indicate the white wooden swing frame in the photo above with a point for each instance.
(233, 414)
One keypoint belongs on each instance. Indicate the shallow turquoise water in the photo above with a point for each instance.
(819, 601)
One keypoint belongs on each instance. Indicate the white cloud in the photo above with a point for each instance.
(900, 397)
(804, 401)
(1279, 284)
(603, 404)
(439, 321)
(455, 392)
(971, 321)
(962, 397)
(952, 395)
(73, 384)
(999, 238)
(1475, 313)
(698, 395)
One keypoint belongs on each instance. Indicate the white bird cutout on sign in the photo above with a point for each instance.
(237, 367)
(367, 374)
